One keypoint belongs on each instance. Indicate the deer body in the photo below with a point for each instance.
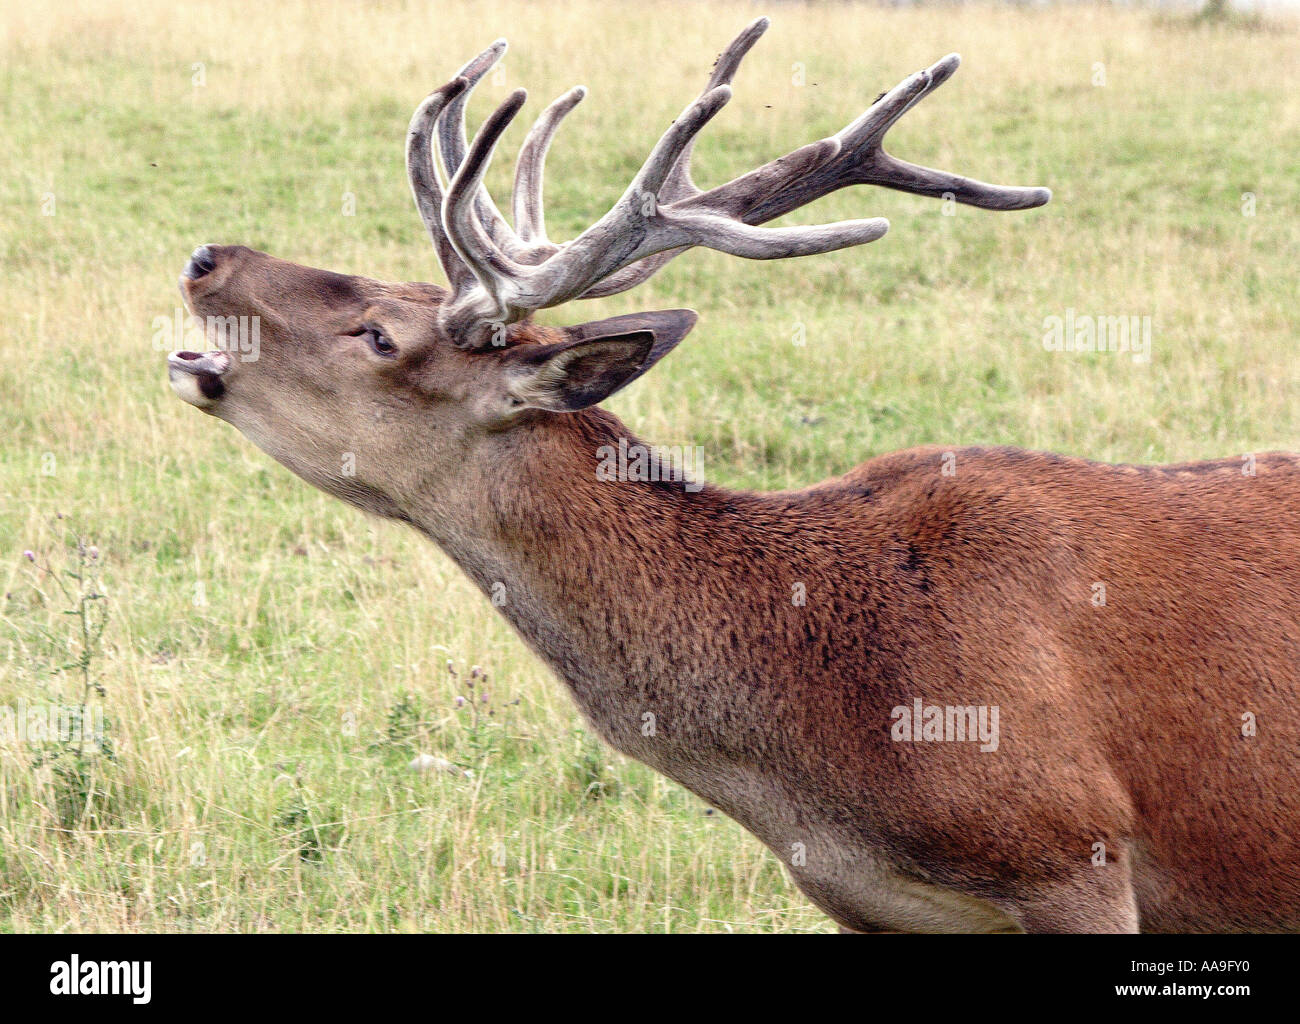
(975, 690)
(923, 585)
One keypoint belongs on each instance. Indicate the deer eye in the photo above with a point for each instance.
(376, 339)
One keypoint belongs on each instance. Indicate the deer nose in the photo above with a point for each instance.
(202, 261)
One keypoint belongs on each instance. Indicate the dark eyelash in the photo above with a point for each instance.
(376, 333)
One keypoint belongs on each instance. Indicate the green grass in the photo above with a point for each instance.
(272, 660)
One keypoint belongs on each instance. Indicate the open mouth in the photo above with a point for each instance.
(196, 377)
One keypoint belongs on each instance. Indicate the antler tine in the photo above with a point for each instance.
(530, 216)
(870, 126)
(452, 144)
(470, 237)
(422, 170)
(754, 243)
(679, 184)
(676, 140)
(452, 140)
(891, 172)
(862, 161)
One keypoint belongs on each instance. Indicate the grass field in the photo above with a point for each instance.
(270, 660)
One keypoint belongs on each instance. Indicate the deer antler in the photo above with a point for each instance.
(426, 183)
(503, 276)
(530, 218)
(791, 181)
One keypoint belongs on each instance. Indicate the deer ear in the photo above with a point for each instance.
(595, 359)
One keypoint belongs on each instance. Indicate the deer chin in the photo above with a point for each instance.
(197, 377)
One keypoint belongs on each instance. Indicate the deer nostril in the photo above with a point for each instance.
(189, 355)
(201, 262)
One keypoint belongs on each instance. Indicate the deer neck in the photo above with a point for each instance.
(605, 579)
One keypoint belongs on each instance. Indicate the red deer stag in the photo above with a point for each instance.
(901, 680)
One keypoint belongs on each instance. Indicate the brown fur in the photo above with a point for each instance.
(1120, 724)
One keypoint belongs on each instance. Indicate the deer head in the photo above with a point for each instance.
(379, 393)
